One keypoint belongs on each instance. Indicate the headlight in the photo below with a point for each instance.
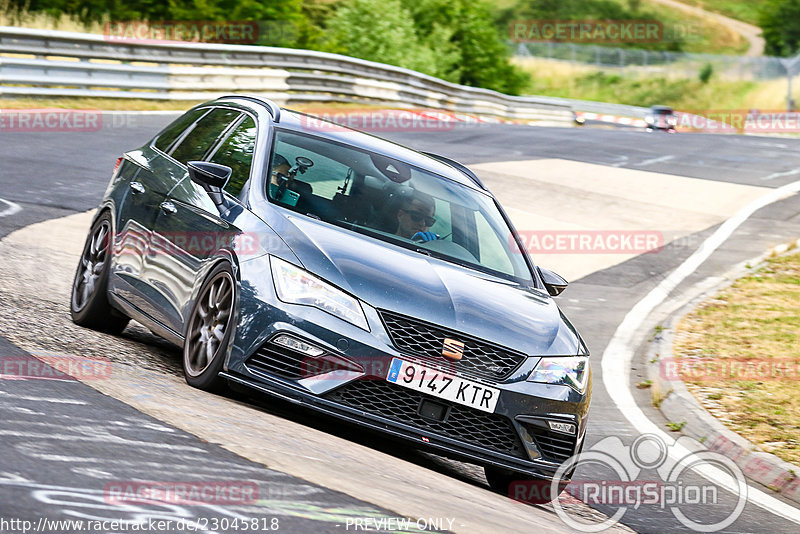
(297, 286)
(564, 371)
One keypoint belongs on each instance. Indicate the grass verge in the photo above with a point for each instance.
(639, 88)
(746, 342)
(746, 11)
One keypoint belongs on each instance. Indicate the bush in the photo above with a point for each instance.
(780, 25)
(706, 72)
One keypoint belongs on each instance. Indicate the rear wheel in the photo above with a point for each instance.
(209, 331)
(89, 304)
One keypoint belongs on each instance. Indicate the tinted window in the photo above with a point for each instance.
(204, 135)
(237, 153)
(174, 130)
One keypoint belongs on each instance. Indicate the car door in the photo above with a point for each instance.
(189, 229)
(150, 174)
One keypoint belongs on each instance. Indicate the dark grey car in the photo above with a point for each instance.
(368, 281)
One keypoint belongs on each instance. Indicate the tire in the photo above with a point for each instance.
(209, 330)
(521, 487)
(89, 305)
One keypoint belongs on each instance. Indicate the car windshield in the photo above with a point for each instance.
(394, 202)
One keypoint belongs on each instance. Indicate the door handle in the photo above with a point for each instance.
(137, 188)
(168, 207)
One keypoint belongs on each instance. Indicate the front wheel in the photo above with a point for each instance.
(89, 304)
(209, 330)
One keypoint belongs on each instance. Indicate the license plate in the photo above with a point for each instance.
(442, 385)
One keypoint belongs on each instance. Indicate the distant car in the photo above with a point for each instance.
(314, 263)
(661, 118)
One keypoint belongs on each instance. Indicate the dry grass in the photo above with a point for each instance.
(641, 86)
(754, 322)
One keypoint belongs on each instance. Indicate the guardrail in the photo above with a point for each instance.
(55, 63)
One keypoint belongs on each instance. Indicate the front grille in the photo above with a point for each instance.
(461, 423)
(554, 446)
(481, 358)
(279, 361)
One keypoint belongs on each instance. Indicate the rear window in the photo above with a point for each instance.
(168, 135)
(204, 135)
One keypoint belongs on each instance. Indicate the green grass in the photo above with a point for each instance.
(746, 10)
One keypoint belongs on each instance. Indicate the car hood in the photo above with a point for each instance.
(390, 277)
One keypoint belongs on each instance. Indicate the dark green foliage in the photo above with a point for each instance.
(780, 25)
(706, 72)
(456, 40)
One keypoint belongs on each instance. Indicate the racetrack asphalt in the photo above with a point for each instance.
(50, 176)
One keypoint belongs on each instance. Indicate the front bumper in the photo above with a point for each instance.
(516, 436)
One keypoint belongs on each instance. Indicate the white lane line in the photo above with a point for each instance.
(781, 174)
(662, 159)
(618, 356)
(622, 161)
(10, 210)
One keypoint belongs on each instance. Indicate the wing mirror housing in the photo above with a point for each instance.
(554, 283)
(212, 177)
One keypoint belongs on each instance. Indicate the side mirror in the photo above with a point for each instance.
(210, 176)
(554, 283)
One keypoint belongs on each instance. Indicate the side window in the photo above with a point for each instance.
(493, 247)
(323, 179)
(176, 128)
(204, 135)
(237, 153)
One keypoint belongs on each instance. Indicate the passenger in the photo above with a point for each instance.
(280, 165)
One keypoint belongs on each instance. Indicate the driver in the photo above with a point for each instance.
(415, 217)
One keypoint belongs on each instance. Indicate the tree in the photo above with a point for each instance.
(467, 44)
(379, 30)
(780, 25)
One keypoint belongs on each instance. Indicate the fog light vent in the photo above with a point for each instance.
(296, 345)
(565, 428)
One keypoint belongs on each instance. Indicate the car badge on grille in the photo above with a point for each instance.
(453, 349)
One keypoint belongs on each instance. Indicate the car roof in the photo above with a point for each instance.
(304, 123)
(661, 108)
